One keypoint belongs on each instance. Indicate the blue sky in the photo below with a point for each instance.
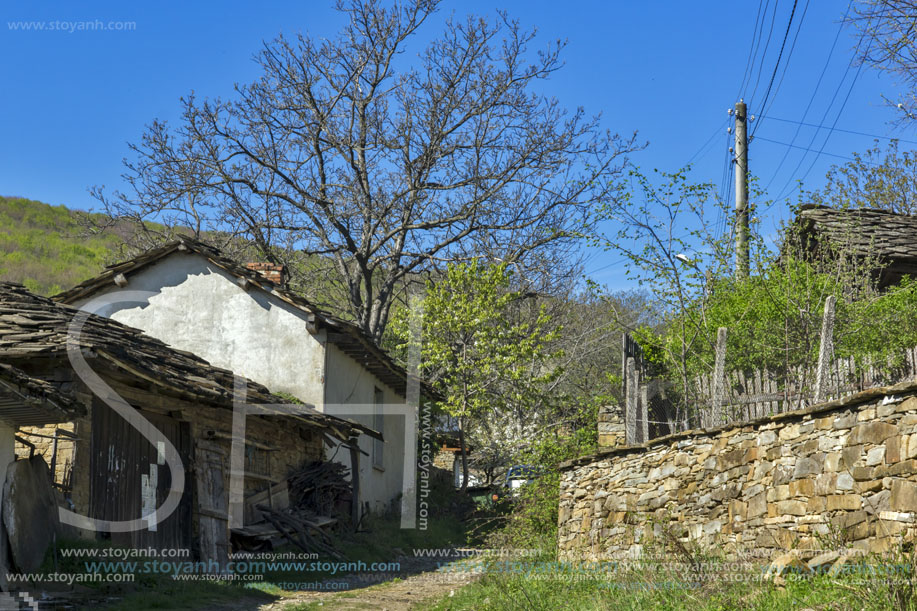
(72, 100)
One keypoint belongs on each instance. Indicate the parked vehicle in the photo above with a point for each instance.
(516, 477)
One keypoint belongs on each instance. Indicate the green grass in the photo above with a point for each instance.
(147, 591)
(661, 588)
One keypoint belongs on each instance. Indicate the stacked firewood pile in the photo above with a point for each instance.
(310, 502)
(321, 488)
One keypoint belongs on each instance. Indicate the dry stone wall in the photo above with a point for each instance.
(42, 438)
(840, 473)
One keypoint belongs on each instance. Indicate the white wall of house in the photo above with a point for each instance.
(350, 384)
(198, 307)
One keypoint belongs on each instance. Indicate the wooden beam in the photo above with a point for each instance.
(355, 481)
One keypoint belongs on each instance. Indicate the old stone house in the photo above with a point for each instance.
(244, 319)
(158, 429)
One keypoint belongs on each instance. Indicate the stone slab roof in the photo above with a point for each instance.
(889, 237)
(865, 230)
(30, 401)
(345, 335)
(34, 327)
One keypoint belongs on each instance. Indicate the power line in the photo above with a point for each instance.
(840, 111)
(770, 85)
(796, 146)
(845, 131)
(708, 141)
(805, 113)
(825, 116)
(770, 34)
(749, 63)
(786, 64)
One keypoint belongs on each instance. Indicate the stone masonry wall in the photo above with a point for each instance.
(39, 436)
(844, 471)
(611, 426)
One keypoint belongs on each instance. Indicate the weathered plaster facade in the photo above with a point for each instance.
(198, 307)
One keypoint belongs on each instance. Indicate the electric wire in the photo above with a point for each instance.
(837, 91)
(770, 35)
(821, 77)
(789, 57)
(837, 117)
(749, 63)
(845, 131)
(770, 84)
(796, 146)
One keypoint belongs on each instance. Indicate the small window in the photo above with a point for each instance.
(378, 425)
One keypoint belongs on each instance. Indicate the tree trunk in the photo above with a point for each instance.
(464, 455)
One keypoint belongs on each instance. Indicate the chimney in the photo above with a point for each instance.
(270, 271)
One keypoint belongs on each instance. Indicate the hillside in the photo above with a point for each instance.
(41, 248)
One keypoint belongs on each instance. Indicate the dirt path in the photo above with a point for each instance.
(420, 581)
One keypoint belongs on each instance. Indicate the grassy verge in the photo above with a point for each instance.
(872, 583)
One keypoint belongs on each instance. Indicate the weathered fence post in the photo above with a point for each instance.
(719, 377)
(825, 350)
(630, 401)
(644, 413)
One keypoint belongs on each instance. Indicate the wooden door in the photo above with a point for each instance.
(211, 462)
(129, 477)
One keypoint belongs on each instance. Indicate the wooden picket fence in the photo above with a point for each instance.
(751, 395)
(731, 397)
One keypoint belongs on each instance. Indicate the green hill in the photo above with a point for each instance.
(41, 246)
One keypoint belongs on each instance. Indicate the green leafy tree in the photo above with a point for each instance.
(484, 362)
(674, 233)
(774, 317)
(885, 179)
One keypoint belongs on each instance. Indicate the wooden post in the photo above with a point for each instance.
(644, 412)
(630, 402)
(825, 350)
(355, 480)
(719, 377)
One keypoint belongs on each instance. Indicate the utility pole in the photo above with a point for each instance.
(741, 161)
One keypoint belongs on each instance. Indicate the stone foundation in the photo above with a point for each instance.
(842, 472)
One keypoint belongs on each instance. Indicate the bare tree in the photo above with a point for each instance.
(889, 43)
(383, 168)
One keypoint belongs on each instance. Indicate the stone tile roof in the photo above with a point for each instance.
(889, 235)
(34, 327)
(345, 335)
(26, 401)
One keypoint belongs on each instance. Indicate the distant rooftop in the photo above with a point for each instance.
(890, 236)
